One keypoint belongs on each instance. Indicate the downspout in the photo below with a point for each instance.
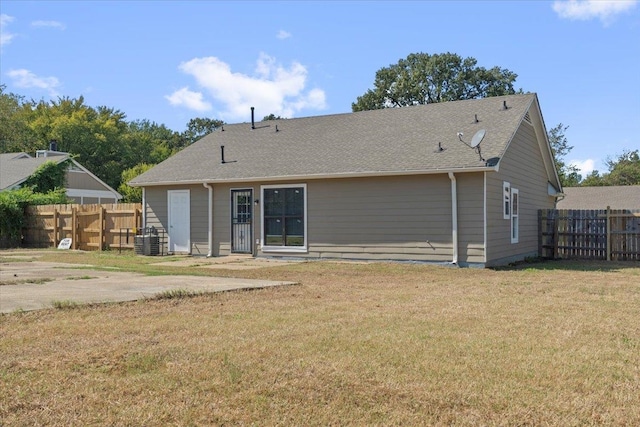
(210, 219)
(144, 208)
(454, 217)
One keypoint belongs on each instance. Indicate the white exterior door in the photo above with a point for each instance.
(179, 221)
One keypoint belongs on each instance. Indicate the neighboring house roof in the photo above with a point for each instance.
(616, 197)
(16, 168)
(389, 141)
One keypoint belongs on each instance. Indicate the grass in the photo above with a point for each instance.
(550, 343)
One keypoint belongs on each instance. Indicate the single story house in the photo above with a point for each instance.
(615, 197)
(455, 182)
(81, 185)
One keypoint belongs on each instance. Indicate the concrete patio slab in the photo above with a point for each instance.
(37, 285)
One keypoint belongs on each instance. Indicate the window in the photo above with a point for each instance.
(515, 202)
(506, 192)
(284, 211)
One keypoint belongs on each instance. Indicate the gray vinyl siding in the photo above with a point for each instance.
(81, 179)
(157, 213)
(470, 218)
(399, 218)
(522, 166)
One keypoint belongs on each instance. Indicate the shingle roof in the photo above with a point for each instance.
(15, 168)
(616, 197)
(387, 141)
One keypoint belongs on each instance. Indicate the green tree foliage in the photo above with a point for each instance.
(423, 79)
(15, 133)
(132, 194)
(12, 210)
(271, 117)
(199, 127)
(149, 142)
(593, 180)
(49, 176)
(625, 169)
(622, 170)
(95, 136)
(568, 174)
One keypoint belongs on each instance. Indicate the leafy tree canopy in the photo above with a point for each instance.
(132, 194)
(271, 117)
(199, 127)
(568, 174)
(423, 79)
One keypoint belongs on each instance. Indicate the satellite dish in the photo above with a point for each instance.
(477, 138)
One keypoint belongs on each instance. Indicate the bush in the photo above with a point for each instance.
(12, 211)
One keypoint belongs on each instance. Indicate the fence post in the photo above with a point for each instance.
(556, 225)
(540, 233)
(608, 233)
(55, 225)
(101, 221)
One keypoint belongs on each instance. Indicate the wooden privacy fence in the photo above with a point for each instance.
(91, 227)
(604, 234)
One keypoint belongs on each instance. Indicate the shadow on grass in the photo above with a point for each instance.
(571, 265)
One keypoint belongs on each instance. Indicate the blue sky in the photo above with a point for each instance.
(170, 61)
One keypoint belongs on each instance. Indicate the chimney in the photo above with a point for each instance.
(253, 123)
(53, 145)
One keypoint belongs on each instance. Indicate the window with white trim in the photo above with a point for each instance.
(506, 200)
(515, 217)
(284, 217)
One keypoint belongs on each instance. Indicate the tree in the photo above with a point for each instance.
(15, 134)
(423, 79)
(271, 117)
(132, 194)
(199, 127)
(568, 174)
(593, 179)
(94, 135)
(625, 169)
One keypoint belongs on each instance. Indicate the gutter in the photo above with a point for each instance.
(454, 217)
(210, 219)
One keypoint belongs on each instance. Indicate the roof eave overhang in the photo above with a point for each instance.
(318, 176)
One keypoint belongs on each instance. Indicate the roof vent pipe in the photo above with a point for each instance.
(253, 123)
(504, 105)
(222, 154)
(476, 117)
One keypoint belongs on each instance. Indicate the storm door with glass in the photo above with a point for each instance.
(241, 221)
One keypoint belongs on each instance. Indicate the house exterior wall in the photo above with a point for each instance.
(82, 180)
(470, 218)
(156, 211)
(522, 166)
(395, 218)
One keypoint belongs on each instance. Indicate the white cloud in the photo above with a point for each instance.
(273, 89)
(26, 79)
(585, 167)
(282, 34)
(5, 36)
(189, 99)
(49, 24)
(583, 10)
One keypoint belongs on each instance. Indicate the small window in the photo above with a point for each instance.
(515, 217)
(506, 195)
(284, 218)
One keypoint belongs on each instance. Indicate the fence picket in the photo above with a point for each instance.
(91, 227)
(604, 234)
